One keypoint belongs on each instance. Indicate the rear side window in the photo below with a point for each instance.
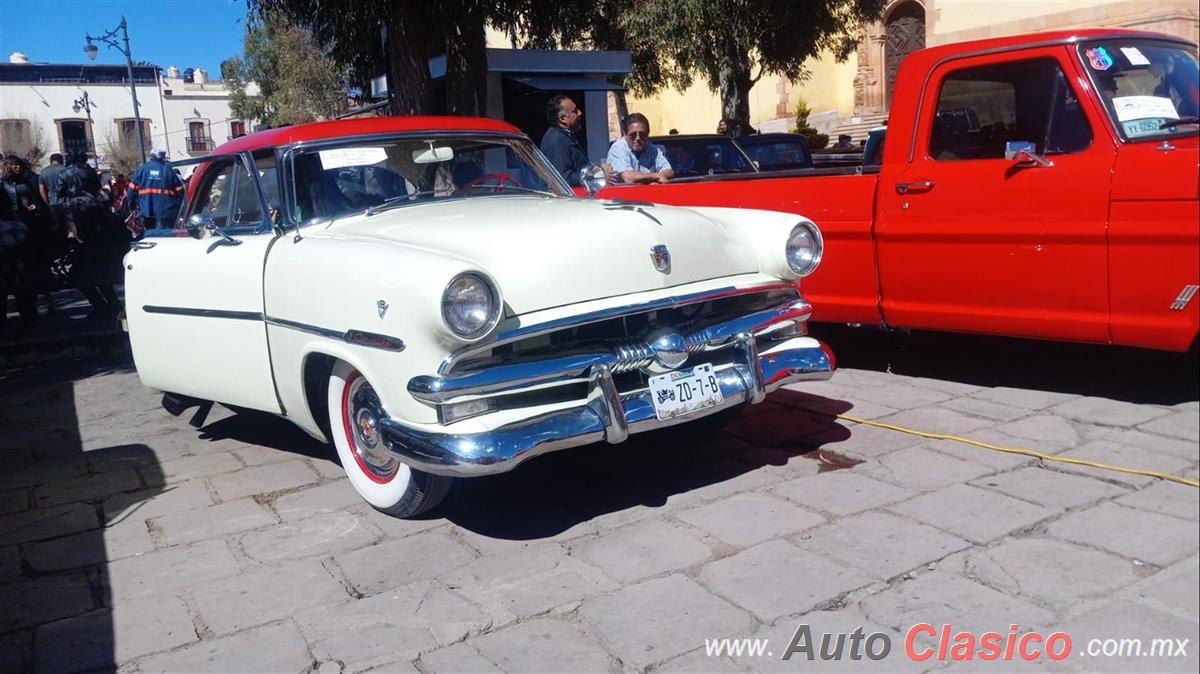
(981, 110)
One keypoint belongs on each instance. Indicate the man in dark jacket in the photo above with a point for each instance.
(560, 144)
(156, 191)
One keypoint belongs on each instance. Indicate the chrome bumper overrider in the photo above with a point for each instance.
(760, 365)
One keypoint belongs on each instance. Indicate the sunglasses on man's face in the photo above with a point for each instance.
(637, 134)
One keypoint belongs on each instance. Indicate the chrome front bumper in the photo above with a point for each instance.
(760, 365)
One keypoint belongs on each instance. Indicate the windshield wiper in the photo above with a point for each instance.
(1179, 122)
(509, 186)
(396, 201)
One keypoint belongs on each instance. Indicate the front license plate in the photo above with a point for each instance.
(679, 393)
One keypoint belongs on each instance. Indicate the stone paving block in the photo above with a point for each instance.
(921, 469)
(317, 536)
(35, 525)
(10, 563)
(982, 455)
(391, 626)
(641, 550)
(1030, 399)
(15, 500)
(16, 652)
(527, 582)
(394, 563)
(903, 395)
(263, 479)
(971, 513)
(1184, 425)
(939, 597)
(722, 478)
(1168, 498)
(697, 661)
(746, 519)
(937, 420)
(87, 488)
(1121, 455)
(544, 645)
(1107, 412)
(1131, 620)
(1137, 534)
(328, 468)
(866, 442)
(841, 492)
(200, 465)
(957, 388)
(388, 526)
(181, 497)
(1173, 589)
(257, 455)
(169, 570)
(456, 658)
(845, 621)
(271, 648)
(1184, 449)
(1043, 432)
(779, 425)
(986, 409)
(111, 637)
(777, 579)
(265, 595)
(220, 520)
(29, 602)
(882, 544)
(90, 548)
(1050, 488)
(830, 400)
(1023, 566)
(659, 619)
(325, 498)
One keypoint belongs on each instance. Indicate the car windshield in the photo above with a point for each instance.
(777, 154)
(1149, 88)
(704, 156)
(359, 175)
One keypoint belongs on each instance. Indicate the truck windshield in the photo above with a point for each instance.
(1150, 88)
(337, 180)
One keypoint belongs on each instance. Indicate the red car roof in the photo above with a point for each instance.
(934, 54)
(358, 127)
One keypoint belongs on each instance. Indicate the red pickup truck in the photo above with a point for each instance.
(1039, 186)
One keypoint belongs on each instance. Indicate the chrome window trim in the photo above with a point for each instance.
(670, 302)
(1061, 42)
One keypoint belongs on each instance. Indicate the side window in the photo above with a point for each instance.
(982, 109)
(215, 195)
(247, 208)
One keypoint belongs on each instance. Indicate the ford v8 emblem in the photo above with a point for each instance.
(662, 258)
(382, 307)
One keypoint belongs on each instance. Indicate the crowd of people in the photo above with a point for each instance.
(63, 228)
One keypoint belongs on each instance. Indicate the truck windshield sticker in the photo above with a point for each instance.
(351, 156)
(1143, 107)
(1135, 56)
(1099, 58)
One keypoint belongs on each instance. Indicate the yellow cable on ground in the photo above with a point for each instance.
(1027, 452)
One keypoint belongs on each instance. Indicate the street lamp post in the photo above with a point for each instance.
(110, 39)
(84, 103)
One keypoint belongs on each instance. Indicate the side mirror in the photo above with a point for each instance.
(593, 178)
(200, 225)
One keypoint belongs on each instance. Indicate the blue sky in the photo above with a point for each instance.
(185, 33)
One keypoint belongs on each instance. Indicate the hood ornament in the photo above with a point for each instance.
(382, 307)
(661, 258)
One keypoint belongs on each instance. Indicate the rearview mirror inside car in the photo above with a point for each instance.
(433, 155)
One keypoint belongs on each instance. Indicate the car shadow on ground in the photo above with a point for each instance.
(1119, 373)
(58, 493)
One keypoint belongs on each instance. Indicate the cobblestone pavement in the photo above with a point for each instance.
(129, 538)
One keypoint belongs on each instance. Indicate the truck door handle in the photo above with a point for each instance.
(916, 186)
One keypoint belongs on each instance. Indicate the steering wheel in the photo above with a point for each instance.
(501, 179)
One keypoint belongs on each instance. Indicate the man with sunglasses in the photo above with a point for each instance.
(560, 144)
(634, 159)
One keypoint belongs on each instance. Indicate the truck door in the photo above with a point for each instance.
(195, 305)
(997, 223)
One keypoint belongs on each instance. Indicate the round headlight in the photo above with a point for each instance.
(470, 306)
(804, 249)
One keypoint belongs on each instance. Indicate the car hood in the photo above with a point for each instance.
(547, 252)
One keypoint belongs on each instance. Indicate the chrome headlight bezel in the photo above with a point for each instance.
(804, 263)
(471, 333)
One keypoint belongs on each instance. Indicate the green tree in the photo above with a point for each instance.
(725, 41)
(816, 139)
(297, 82)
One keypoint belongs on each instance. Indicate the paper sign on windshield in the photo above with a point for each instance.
(1143, 107)
(1135, 56)
(351, 156)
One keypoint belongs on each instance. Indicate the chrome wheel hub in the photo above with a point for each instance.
(364, 412)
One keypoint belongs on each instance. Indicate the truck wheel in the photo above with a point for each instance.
(379, 478)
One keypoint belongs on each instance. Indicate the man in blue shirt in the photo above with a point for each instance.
(156, 191)
(634, 159)
(560, 144)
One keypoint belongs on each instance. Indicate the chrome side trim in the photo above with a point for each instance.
(538, 329)
(305, 327)
(361, 337)
(203, 313)
(1185, 296)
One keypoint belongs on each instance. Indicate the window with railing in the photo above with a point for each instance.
(198, 139)
(236, 129)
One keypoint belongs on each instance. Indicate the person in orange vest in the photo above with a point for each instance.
(156, 191)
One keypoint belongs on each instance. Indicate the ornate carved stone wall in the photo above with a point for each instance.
(905, 19)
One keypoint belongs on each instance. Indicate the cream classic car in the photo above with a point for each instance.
(428, 295)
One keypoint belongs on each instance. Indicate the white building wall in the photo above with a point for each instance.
(184, 103)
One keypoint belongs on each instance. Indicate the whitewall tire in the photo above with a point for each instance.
(379, 478)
